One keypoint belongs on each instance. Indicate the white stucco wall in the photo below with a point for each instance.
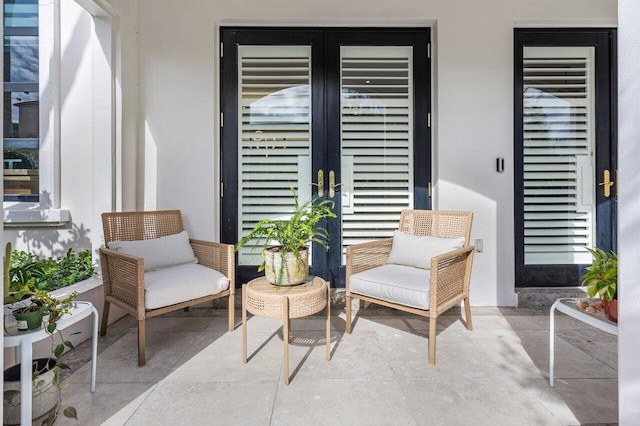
(166, 137)
(629, 206)
(473, 103)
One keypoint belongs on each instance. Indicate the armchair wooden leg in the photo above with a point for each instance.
(232, 312)
(467, 314)
(105, 318)
(432, 340)
(141, 343)
(348, 306)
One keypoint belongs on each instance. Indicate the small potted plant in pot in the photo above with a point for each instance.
(601, 278)
(25, 298)
(285, 242)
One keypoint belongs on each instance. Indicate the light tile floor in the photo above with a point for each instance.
(496, 374)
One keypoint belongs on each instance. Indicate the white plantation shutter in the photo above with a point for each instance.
(274, 141)
(558, 145)
(376, 140)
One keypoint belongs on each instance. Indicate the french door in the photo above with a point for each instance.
(335, 114)
(565, 163)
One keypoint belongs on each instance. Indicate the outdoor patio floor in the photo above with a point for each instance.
(496, 374)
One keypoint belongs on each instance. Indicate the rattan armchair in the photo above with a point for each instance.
(124, 275)
(445, 285)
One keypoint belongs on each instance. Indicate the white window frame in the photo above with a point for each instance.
(106, 106)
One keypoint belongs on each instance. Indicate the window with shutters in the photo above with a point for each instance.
(565, 156)
(377, 140)
(332, 114)
(274, 141)
(558, 154)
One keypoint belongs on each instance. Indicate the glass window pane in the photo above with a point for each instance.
(376, 136)
(21, 115)
(21, 13)
(21, 59)
(558, 154)
(274, 140)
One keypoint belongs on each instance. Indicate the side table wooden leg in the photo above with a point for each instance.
(244, 323)
(285, 338)
(328, 325)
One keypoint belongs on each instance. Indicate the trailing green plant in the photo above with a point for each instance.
(50, 274)
(29, 280)
(293, 233)
(602, 276)
(36, 300)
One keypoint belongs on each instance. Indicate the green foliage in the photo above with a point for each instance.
(602, 276)
(31, 280)
(49, 274)
(293, 233)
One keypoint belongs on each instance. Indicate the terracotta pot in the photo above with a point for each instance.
(292, 272)
(611, 309)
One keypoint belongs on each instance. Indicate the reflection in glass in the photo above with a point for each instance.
(21, 13)
(21, 59)
(274, 140)
(558, 154)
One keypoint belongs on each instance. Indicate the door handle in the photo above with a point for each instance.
(607, 184)
(320, 183)
(332, 184)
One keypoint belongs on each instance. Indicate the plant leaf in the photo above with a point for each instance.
(51, 327)
(69, 344)
(71, 413)
(58, 350)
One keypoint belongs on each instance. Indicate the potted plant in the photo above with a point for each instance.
(601, 278)
(284, 241)
(25, 297)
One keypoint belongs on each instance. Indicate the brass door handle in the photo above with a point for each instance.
(320, 183)
(607, 184)
(332, 184)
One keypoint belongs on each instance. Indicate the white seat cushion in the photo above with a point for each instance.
(175, 284)
(400, 284)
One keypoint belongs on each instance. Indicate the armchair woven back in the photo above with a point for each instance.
(437, 223)
(141, 225)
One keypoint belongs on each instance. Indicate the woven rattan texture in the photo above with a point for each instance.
(437, 223)
(132, 226)
(266, 300)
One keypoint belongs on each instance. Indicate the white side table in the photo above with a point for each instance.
(24, 339)
(568, 306)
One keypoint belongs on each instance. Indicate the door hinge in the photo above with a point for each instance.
(222, 50)
(221, 189)
(429, 189)
(429, 120)
(222, 119)
(428, 50)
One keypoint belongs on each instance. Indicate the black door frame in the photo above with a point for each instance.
(604, 40)
(325, 79)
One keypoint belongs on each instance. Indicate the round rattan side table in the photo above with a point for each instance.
(263, 299)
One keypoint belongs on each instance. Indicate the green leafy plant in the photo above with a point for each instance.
(53, 308)
(29, 281)
(50, 274)
(293, 233)
(602, 276)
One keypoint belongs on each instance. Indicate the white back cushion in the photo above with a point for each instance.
(417, 251)
(159, 252)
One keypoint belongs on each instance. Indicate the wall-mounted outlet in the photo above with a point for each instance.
(478, 243)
